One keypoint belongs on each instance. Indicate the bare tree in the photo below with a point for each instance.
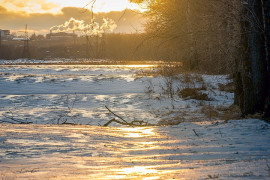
(200, 31)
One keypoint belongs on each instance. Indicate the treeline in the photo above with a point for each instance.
(207, 32)
(110, 46)
(117, 47)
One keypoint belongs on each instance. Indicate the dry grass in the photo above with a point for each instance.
(226, 87)
(191, 79)
(193, 93)
(224, 113)
(210, 111)
(172, 121)
(255, 116)
(230, 113)
(198, 78)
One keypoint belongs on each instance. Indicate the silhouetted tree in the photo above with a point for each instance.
(252, 72)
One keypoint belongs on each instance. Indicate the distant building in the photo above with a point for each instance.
(61, 36)
(19, 39)
(5, 34)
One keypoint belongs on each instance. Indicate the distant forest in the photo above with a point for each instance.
(116, 47)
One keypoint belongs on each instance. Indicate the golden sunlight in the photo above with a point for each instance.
(55, 6)
(99, 6)
(141, 170)
(139, 132)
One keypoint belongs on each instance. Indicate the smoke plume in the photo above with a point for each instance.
(91, 29)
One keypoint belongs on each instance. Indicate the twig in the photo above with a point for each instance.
(65, 123)
(195, 132)
(71, 108)
(3, 121)
(139, 123)
(116, 115)
(220, 132)
(132, 123)
(67, 114)
(114, 120)
(122, 15)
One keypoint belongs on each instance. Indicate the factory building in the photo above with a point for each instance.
(5, 34)
(61, 36)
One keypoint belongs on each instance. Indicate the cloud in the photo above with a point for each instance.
(41, 23)
(2, 10)
(30, 6)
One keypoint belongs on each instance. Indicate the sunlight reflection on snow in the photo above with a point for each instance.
(140, 66)
(147, 153)
(141, 170)
(138, 132)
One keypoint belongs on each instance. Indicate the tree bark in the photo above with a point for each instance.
(193, 61)
(266, 21)
(252, 74)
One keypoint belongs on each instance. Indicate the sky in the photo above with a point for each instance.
(99, 6)
(55, 6)
(41, 15)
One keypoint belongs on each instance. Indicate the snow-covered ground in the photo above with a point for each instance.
(51, 94)
(47, 93)
(238, 149)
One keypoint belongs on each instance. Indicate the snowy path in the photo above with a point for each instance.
(234, 150)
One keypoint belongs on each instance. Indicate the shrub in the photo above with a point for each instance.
(198, 78)
(170, 69)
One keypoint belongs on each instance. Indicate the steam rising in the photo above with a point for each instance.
(91, 29)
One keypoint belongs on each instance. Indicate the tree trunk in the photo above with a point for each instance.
(251, 76)
(266, 20)
(193, 61)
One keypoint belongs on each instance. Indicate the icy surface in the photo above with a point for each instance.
(234, 150)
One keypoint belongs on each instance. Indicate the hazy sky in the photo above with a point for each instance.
(55, 6)
(40, 15)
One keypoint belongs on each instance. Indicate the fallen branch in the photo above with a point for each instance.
(132, 123)
(3, 121)
(114, 120)
(116, 115)
(139, 123)
(16, 121)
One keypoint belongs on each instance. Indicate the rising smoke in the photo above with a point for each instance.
(91, 29)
